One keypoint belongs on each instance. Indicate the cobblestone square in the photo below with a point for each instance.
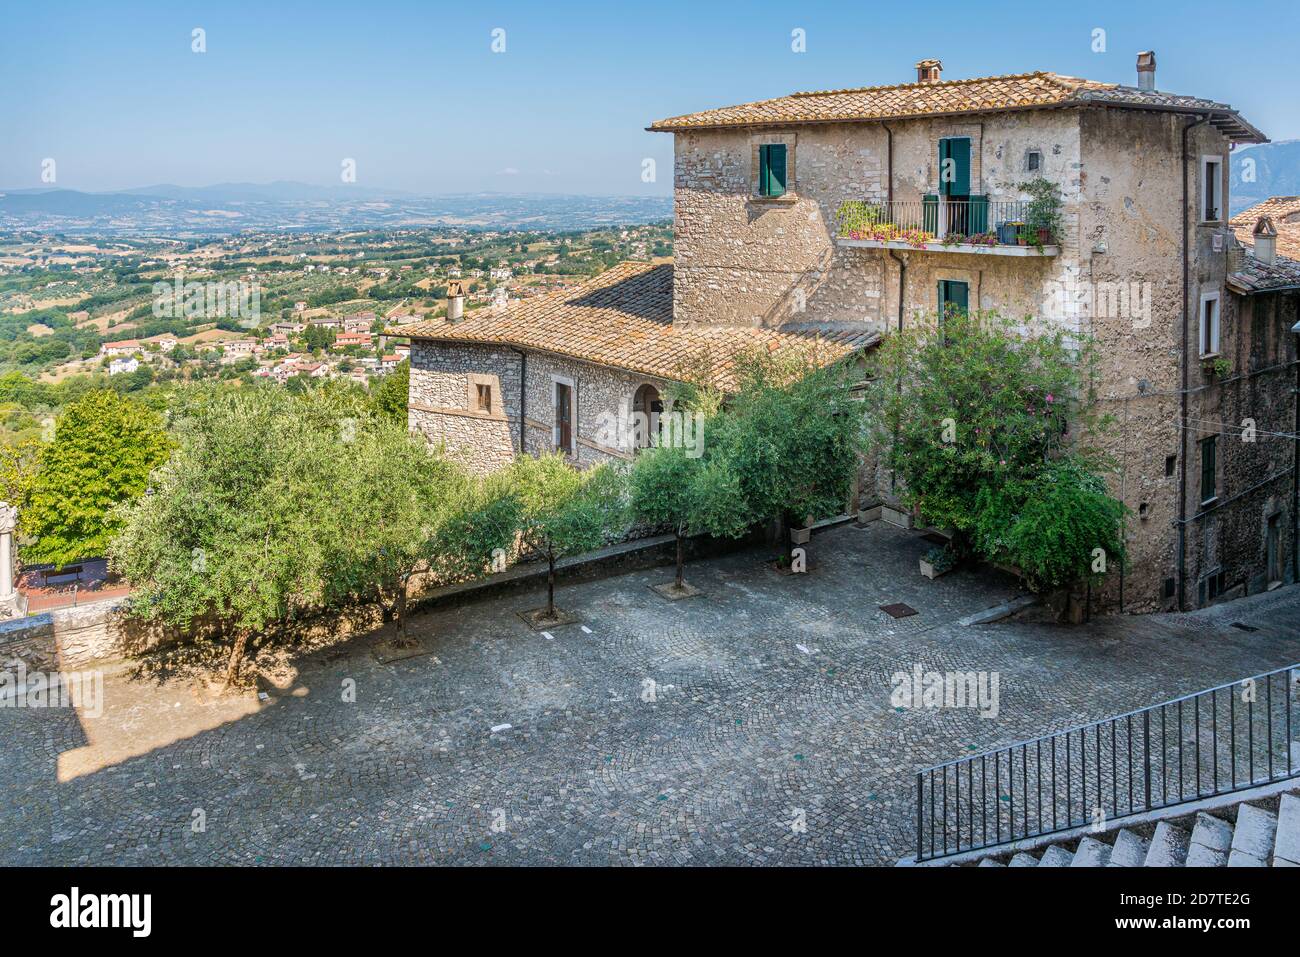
(749, 725)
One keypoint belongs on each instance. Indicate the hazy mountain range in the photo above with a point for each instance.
(1258, 172)
(1275, 172)
(232, 207)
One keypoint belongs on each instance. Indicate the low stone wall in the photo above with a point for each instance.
(99, 632)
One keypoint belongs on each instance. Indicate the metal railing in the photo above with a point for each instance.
(1229, 738)
(940, 217)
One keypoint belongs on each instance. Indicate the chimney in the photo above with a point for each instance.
(1265, 235)
(455, 300)
(928, 71)
(1147, 70)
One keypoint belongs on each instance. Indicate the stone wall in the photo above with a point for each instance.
(66, 638)
(442, 400)
(746, 260)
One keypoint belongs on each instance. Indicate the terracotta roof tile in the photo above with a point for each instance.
(1284, 211)
(947, 97)
(623, 318)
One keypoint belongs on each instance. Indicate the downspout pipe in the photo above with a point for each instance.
(889, 202)
(1185, 372)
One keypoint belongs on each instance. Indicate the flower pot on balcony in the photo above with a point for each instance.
(1008, 231)
(1044, 236)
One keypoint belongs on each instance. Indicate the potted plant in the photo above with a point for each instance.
(1043, 211)
(939, 560)
(799, 535)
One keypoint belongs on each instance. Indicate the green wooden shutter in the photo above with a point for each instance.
(953, 293)
(771, 169)
(979, 215)
(930, 213)
(957, 149)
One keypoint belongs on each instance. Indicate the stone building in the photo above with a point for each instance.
(569, 370)
(847, 213)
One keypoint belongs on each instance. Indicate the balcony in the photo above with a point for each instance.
(975, 225)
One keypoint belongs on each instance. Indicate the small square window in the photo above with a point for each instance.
(483, 397)
(1171, 463)
(1033, 161)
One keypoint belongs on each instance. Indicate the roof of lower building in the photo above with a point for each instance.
(1284, 211)
(623, 318)
(989, 94)
(1253, 276)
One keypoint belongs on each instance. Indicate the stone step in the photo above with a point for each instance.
(1091, 853)
(1252, 838)
(1286, 846)
(1023, 860)
(1211, 842)
(989, 862)
(1129, 850)
(1168, 846)
(1056, 856)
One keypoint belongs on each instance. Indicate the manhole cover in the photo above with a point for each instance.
(898, 610)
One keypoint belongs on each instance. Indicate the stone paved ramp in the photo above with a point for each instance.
(747, 735)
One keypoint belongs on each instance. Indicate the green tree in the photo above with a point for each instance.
(390, 395)
(104, 447)
(971, 402)
(563, 511)
(669, 485)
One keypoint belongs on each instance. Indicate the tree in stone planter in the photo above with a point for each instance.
(563, 511)
(670, 486)
(403, 510)
(792, 434)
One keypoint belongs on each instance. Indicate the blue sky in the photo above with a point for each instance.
(413, 92)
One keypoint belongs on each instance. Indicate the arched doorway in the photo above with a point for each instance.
(646, 409)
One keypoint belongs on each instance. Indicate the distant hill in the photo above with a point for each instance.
(1269, 169)
(232, 207)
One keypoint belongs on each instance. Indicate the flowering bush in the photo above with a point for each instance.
(970, 408)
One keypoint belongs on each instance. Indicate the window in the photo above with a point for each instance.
(483, 397)
(1171, 462)
(1210, 324)
(1211, 189)
(1209, 453)
(954, 296)
(954, 166)
(771, 170)
(1170, 587)
(564, 417)
(1273, 549)
(1033, 161)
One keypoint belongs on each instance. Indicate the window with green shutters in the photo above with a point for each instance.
(954, 166)
(953, 294)
(771, 169)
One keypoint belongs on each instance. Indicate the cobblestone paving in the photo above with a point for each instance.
(746, 733)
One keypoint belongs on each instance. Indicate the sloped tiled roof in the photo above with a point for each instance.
(1253, 276)
(1284, 211)
(1038, 90)
(623, 319)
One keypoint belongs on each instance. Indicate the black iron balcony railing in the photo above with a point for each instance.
(1225, 739)
(976, 220)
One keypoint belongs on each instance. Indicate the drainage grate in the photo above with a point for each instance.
(898, 610)
(1243, 627)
